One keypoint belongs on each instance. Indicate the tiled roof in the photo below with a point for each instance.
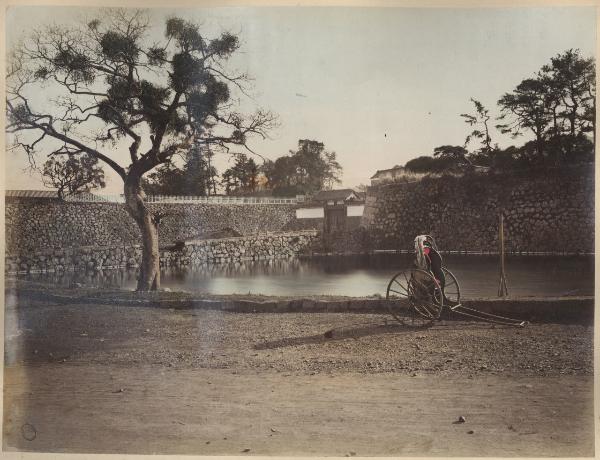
(341, 194)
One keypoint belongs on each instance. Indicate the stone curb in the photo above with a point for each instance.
(536, 309)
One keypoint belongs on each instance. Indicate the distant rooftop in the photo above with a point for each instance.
(341, 194)
(380, 171)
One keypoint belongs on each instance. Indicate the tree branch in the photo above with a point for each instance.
(49, 130)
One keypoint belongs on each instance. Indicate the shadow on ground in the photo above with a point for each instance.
(354, 331)
(358, 330)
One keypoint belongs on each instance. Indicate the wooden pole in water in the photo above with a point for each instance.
(502, 288)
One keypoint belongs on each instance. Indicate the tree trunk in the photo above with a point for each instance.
(594, 125)
(149, 277)
(539, 143)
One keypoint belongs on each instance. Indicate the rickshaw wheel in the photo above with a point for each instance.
(414, 298)
(451, 288)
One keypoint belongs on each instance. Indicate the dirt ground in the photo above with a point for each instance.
(110, 379)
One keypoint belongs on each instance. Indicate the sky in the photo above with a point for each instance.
(379, 86)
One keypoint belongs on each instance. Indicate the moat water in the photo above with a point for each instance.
(357, 275)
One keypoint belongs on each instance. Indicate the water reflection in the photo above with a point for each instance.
(117, 278)
(358, 275)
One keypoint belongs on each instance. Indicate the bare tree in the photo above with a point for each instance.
(109, 89)
(73, 174)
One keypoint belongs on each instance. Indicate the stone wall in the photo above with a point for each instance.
(261, 247)
(551, 212)
(306, 224)
(39, 225)
(351, 223)
(195, 253)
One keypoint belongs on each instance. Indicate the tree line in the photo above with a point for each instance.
(304, 171)
(556, 108)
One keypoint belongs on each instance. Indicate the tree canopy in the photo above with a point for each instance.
(242, 177)
(196, 176)
(114, 83)
(555, 109)
(305, 171)
(73, 174)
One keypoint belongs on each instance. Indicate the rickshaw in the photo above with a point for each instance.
(416, 297)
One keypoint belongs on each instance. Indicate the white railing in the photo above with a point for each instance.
(90, 198)
(219, 199)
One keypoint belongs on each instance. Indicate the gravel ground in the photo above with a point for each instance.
(93, 378)
(304, 343)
